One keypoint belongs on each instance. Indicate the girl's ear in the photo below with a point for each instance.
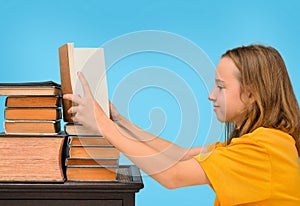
(251, 98)
(248, 96)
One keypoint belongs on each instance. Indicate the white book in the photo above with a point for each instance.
(90, 61)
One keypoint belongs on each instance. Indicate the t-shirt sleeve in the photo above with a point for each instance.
(238, 173)
(215, 145)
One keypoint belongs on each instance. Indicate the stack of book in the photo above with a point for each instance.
(31, 146)
(90, 156)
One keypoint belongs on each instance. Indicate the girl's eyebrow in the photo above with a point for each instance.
(219, 81)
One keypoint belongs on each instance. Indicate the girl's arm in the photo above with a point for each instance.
(170, 172)
(168, 148)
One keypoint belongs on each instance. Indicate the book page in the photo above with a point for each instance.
(90, 61)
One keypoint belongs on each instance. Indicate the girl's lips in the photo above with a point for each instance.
(216, 107)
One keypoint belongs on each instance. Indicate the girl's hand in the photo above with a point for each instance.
(86, 110)
(114, 114)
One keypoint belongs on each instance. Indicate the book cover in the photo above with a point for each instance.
(91, 174)
(30, 88)
(32, 127)
(88, 141)
(33, 101)
(104, 162)
(93, 152)
(32, 113)
(79, 130)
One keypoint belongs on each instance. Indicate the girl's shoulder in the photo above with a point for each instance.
(266, 135)
(273, 141)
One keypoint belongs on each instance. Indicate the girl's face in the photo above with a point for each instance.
(229, 104)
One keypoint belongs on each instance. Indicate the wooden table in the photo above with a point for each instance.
(120, 193)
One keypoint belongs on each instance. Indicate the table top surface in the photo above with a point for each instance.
(128, 178)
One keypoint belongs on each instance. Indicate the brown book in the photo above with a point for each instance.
(79, 130)
(32, 101)
(91, 174)
(90, 61)
(31, 158)
(30, 88)
(31, 127)
(32, 113)
(91, 162)
(88, 141)
(93, 152)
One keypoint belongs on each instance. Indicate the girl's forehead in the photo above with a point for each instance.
(226, 70)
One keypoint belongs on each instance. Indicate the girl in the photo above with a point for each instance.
(259, 162)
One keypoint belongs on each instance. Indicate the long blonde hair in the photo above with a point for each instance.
(263, 73)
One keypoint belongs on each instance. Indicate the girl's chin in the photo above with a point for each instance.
(221, 119)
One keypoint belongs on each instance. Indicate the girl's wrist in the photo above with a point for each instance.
(118, 119)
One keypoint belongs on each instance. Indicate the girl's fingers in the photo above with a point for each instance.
(85, 84)
(73, 110)
(75, 119)
(68, 96)
(75, 98)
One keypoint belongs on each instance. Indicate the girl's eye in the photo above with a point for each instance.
(220, 87)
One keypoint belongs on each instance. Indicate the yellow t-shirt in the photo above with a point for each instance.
(259, 168)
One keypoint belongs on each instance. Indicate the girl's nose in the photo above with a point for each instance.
(211, 96)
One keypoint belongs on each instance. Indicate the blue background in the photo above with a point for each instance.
(32, 31)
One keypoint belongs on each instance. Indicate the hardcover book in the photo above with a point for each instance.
(92, 162)
(91, 173)
(93, 152)
(79, 130)
(32, 127)
(32, 113)
(30, 88)
(88, 141)
(31, 158)
(90, 61)
(33, 101)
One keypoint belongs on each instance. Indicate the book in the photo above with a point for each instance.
(88, 141)
(30, 88)
(32, 113)
(92, 162)
(79, 130)
(91, 173)
(92, 156)
(33, 101)
(31, 158)
(90, 61)
(93, 152)
(31, 127)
